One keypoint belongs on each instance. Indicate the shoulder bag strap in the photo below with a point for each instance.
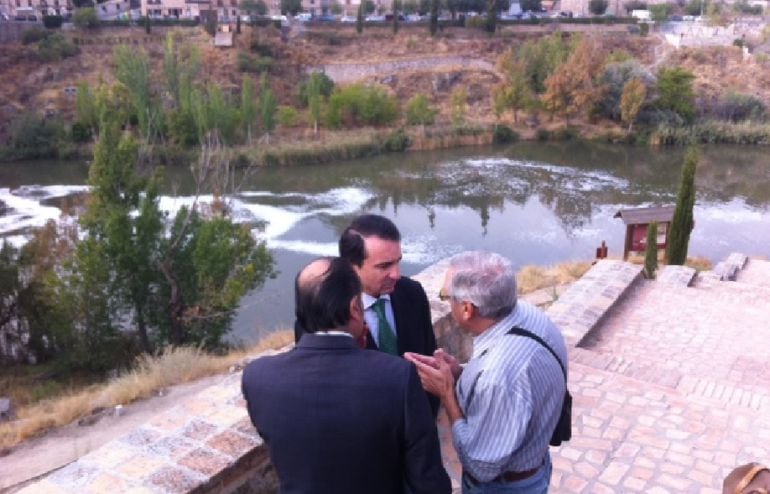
(528, 334)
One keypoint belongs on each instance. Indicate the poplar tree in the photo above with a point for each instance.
(267, 106)
(682, 224)
(631, 101)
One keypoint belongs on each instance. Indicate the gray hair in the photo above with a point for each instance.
(485, 279)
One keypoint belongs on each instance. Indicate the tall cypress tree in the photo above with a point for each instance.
(651, 251)
(682, 224)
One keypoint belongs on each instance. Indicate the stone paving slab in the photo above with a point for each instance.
(755, 272)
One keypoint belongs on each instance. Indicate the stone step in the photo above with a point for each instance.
(756, 272)
(676, 275)
(585, 303)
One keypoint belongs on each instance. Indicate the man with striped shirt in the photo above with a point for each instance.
(504, 404)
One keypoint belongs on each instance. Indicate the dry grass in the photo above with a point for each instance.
(150, 374)
(531, 278)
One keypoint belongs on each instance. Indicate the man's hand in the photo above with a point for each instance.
(435, 374)
(454, 365)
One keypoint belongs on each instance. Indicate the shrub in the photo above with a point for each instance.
(357, 105)
(634, 5)
(542, 134)
(419, 111)
(33, 137)
(254, 64)
(396, 142)
(80, 132)
(288, 116)
(52, 21)
(263, 49)
(56, 47)
(85, 18)
(644, 29)
(598, 7)
(504, 135)
(737, 107)
(33, 35)
(325, 86)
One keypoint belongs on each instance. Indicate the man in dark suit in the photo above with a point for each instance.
(338, 418)
(397, 312)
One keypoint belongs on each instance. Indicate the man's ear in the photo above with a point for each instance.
(356, 309)
(468, 311)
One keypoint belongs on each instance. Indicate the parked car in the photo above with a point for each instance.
(375, 18)
(303, 17)
(389, 17)
(348, 19)
(326, 18)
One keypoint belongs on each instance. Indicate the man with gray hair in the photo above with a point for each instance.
(505, 403)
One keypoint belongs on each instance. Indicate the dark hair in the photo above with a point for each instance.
(351, 243)
(323, 303)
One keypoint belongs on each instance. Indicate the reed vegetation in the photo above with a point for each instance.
(712, 132)
(531, 278)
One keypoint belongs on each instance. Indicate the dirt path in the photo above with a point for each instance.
(59, 447)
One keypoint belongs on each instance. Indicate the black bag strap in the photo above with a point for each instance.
(529, 334)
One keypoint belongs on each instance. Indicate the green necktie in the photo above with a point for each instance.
(387, 343)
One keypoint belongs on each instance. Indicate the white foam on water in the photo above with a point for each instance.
(278, 220)
(306, 247)
(736, 211)
(426, 249)
(24, 212)
(344, 200)
(43, 192)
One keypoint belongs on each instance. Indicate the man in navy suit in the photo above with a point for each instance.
(396, 308)
(338, 418)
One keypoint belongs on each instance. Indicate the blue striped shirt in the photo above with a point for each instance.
(511, 393)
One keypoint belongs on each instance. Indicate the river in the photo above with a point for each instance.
(533, 202)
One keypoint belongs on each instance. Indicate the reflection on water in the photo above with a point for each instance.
(536, 203)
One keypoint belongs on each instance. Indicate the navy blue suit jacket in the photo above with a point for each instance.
(340, 419)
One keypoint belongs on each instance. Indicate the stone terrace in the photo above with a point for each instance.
(670, 379)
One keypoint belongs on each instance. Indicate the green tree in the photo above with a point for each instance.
(632, 100)
(541, 57)
(86, 112)
(675, 92)
(459, 104)
(314, 98)
(419, 111)
(248, 107)
(660, 12)
(254, 7)
(573, 87)
(651, 251)
(433, 25)
(490, 23)
(683, 223)
(292, 7)
(517, 92)
(530, 5)
(267, 106)
(360, 18)
(85, 18)
(123, 221)
(132, 69)
(598, 7)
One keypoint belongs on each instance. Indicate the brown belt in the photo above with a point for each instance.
(506, 477)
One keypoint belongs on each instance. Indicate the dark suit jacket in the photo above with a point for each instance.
(412, 314)
(339, 419)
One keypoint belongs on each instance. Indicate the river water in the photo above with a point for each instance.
(535, 203)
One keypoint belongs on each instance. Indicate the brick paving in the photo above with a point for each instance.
(671, 388)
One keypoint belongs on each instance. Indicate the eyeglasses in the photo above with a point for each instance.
(443, 296)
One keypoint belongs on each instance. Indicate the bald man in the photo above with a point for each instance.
(339, 418)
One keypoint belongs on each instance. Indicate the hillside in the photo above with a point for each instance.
(31, 85)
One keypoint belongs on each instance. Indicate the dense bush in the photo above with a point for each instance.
(33, 137)
(614, 79)
(80, 132)
(737, 107)
(419, 111)
(325, 87)
(254, 64)
(357, 105)
(33, 35)
(504, 135)
(288, 116)
(396, 142)
(85, 18)
(52, 21)
(56, 47)
(598, 7)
